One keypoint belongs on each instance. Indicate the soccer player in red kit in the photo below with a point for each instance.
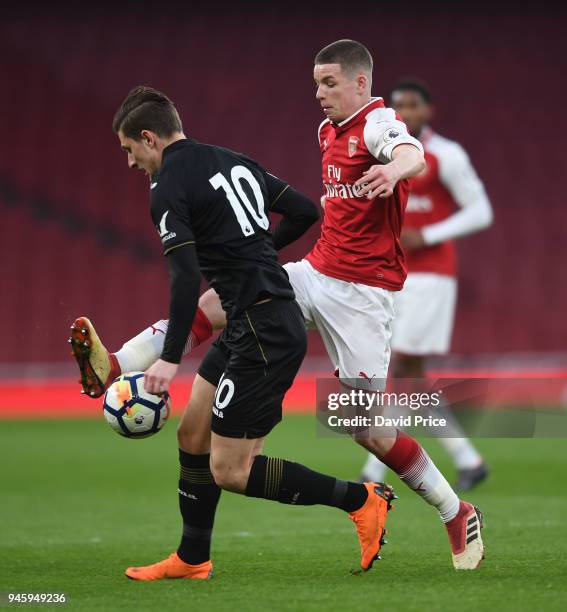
(447, 201)
(345, 286)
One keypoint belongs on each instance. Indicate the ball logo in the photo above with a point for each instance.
(124, 394)
(123, 391)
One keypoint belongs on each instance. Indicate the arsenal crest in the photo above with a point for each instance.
(352, 145)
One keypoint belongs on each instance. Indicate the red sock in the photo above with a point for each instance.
(403, 454)
(115, 370)
(200, 331)
(412, 464)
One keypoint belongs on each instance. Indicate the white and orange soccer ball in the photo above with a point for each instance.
(132, 412)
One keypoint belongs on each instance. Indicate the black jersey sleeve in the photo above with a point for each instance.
(275, 187)
(185, 280)
(298, 211)
(171, 212)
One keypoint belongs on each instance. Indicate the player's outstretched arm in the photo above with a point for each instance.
(408, 161)
(380, 180)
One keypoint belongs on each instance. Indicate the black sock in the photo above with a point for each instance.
(198, 499)
(292, 483)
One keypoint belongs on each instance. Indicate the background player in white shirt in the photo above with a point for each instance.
(447, 201)
(345, 285)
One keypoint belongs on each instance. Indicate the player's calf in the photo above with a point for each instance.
(194, 430)
(232, 460)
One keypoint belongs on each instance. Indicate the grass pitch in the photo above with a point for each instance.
(79, 504)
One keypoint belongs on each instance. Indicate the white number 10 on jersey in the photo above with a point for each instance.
(237, 175)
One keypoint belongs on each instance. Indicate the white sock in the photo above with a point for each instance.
(138, 354)
(374, 470)
(423, 477)
(464, 454)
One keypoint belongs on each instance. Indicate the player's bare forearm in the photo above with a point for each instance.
(380, 180)
(407, 161)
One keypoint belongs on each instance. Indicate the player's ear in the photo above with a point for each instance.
(362, 82)
(148, 138)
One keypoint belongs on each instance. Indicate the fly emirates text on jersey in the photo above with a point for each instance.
(336, 189)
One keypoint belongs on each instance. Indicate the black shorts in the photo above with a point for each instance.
(252, 364)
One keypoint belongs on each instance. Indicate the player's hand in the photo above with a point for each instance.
(378, 181)
(159, 376)
(412, 239)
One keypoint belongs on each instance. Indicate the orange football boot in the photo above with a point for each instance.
(98, 367)
(172, 567)
(370, 521)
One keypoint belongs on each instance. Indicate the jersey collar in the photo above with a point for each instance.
(178, 144)
(355, 117)
(425, 136)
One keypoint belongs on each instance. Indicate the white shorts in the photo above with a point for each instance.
(353, 319)
(425, 311)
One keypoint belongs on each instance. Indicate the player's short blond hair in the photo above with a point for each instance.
(352, 56)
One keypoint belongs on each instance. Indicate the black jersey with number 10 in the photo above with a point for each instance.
(219, 200)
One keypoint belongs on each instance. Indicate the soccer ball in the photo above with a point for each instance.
(131, 411)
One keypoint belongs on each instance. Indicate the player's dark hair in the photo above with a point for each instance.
(351, 55)
(146, 108)
(414, 85)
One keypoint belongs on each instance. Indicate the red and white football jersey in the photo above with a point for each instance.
(448, 185)
(360, 238)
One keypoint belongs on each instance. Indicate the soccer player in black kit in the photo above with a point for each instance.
(210, 206)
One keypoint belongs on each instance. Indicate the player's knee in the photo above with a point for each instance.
(196, 443)
(184, 437)
(229, 477)
(209, 303)
(194, 436)
(378, 446)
